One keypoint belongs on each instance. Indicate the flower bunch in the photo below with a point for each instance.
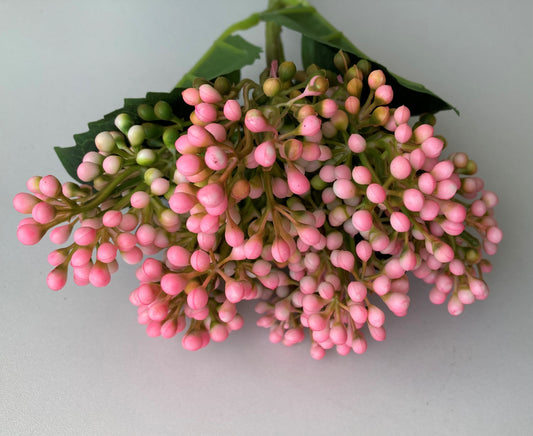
(307, 191)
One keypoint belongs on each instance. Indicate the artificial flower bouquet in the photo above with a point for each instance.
(313, 191)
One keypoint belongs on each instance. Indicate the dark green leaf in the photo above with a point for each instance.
(234, 76)
(71, 157)
(320, 41)
(227, 55)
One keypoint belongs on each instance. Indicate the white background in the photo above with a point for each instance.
(77, 362)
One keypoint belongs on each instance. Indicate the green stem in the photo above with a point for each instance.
(274, 47)
(108, 190)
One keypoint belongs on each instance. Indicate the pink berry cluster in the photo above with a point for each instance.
(308, 192)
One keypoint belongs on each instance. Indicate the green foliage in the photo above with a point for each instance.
(71, 157)
(230, 53)
(320, 42)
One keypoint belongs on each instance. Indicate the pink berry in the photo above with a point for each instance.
(169, 329)
(362, 220)
(408, 260)
(352, 105)
(344, 189)
(442, 170)
(233, 235)
(205, 112)
(56, 258)
(216, 158)
(490, 199)
(422, 132)
(357, 291)
(343, 172)
(376, 79)
(346, 260)
(427, 183)
(211, 195)
(184, 146)
(191, 96)
(494, 235)
(159, 186)
(24, 202)
(255, 121)
(232, 110)
(455, 306)
(173, 284)
(43, 213)
(326, 290)
(363, 250)
(400, 167)
(400, 222)
(197, 298)
(402, 115)
(327, 173)
(50, 186)
(106, 252)
(293, 336)
(88, 171)
(356, 143)
(376, 317)
(200, 260)
(129, 222)
(298, 183)
(84, 236)
(379, 241)
(375, 193)
(218, 332)
(99, 275)
(112, 164)
(361, 175)
(429, 211)
(436, 296)
(455, 212)
(140, 199)
(234, 291)
(192, 341)
(57, 278)
(446, 189)
(208, 94)
(359, 345)
(112, 218)
(417, 159)
(218, 131)
(317, 352)
(265, 154)
(397, 302)
(60, 235)
(432, 147)
(145, 234)
(158, 311)
(338, 334)
(181, 203)
(381, 285)
(178, 256)
(413, 199)
(199, 137)
(443, 252)
(383, 95)
(309, 126)
(280, 250)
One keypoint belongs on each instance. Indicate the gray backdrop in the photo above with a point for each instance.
(77, 362)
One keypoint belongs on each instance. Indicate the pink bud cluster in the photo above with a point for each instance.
(312, 201)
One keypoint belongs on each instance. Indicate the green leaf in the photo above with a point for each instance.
(228, 54)
(320, 42)
(71, 157)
